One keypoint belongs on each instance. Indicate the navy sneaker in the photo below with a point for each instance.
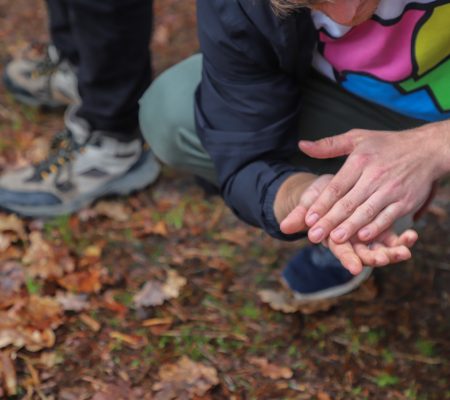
(314, 273)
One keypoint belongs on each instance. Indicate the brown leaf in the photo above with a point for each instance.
(269, 370)
(46, 261)
(30, 324)
(88, 281)
(114, 210)
(12, 223)
(184, 380)
(240, 236)
(155, 293)
(284, 300)
(278, 300)
(323, 396)
(8, 373)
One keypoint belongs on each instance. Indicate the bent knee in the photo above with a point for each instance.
(158, 128)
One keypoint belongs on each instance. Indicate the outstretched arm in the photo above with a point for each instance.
(386, 176)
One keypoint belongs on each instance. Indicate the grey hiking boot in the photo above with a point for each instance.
(42, 80)
(83, 165)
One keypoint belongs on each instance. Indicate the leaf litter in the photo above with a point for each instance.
(166, 295)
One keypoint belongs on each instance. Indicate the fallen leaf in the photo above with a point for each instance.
(270, 370)
(46, 261)
(278, 300)
(284, 300)
(31, 323)
(323, 396)
(12, 223)
(113, 210)
(152, 294)
(240, 236)
(184, 379)
(155, 293)
(88, 281)
(71, 301)
(173, 284)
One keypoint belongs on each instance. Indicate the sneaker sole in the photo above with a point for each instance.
(335, 291)
(141, 175)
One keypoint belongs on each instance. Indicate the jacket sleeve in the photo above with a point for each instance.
(246, 109)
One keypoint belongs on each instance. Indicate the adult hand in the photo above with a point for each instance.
(386, 176)
(388, 248)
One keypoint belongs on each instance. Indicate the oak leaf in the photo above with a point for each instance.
(184, 379)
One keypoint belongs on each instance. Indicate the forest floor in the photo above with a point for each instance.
(166, 295)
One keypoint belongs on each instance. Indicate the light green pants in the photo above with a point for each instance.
(167, 118)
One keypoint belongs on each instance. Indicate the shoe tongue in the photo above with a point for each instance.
(79, 127)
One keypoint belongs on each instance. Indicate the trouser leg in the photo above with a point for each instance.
(112, 38)
(60, 30)
(167, 119)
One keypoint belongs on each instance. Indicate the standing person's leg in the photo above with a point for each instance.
(61, 31)
(112, 38)
(314, 273)
(101, 151)
(46, 76)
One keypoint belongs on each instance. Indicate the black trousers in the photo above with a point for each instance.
(108, 40)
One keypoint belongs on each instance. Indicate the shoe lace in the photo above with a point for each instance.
(45, 64)
(62, 150)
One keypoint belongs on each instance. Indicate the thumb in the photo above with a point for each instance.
(329, 147)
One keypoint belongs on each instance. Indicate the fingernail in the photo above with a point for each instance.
(317, 234)
(364, 233)
(306, 142)
(339, 234)
(311, 219)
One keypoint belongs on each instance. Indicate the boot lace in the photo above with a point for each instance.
(63, 149)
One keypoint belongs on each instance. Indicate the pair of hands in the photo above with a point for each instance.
(385, 177)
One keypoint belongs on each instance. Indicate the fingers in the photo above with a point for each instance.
(346, 254)
(383, 221)
(379, 255)
(329, 147)
(391, 239)
(335, 190)
(355, 217)
(295, 220)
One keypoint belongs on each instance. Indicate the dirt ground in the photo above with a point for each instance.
(166, 295)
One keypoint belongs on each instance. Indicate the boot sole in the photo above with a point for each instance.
(141, 175)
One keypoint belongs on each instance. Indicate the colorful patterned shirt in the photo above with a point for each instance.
(400, 58)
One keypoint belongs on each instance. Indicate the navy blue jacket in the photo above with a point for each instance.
(248, 100)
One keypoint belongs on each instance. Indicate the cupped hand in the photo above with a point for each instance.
(386, 176)
(389, 248)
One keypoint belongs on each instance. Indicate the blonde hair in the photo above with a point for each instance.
(285, 7)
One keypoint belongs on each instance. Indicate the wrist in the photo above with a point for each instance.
(289, 193)
(438, 135)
